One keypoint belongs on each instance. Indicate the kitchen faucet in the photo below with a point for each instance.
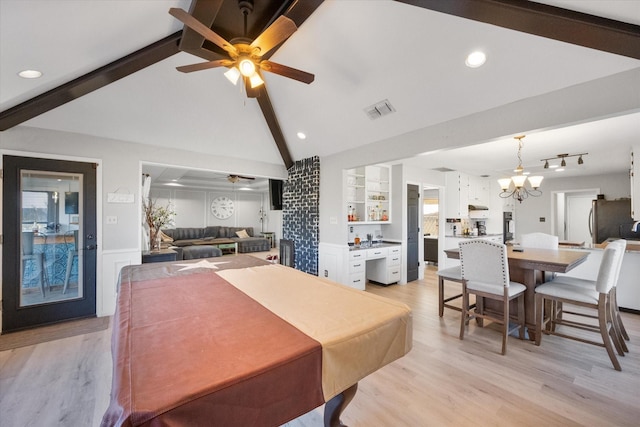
(635, 227)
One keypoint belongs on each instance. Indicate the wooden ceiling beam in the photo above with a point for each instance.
(91, 81)
(272, 121)
(543, 20)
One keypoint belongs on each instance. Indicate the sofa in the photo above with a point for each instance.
(212, 235)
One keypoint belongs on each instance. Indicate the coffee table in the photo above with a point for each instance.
(226, 244)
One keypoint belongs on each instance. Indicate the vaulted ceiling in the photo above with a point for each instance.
(110, 70)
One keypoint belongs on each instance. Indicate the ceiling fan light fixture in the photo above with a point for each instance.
(247, 67)
(232, 75)
(563, 163)
(256, 80)
(580, 161)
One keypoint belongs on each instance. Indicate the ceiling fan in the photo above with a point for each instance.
(236, 178)
(245, 56)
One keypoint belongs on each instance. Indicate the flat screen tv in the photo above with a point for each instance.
(71, 203)
(275, 194)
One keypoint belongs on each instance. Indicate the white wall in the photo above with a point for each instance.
(528, 213)
(120, 171)
(192, 208)
(600, 98)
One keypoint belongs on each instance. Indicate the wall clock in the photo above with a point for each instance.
(222, 207)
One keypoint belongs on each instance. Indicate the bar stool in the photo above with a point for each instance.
(29, 255)
(452, 274)
(72, 254)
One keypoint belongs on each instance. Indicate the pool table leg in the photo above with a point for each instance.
(334, 407)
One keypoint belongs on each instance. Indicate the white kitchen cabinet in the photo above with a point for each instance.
(384, 265)
(368, 195)
(479, 191)
(456, 195)
(357, 269)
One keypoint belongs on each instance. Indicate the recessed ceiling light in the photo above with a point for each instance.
(30, 74)
(475, 59)
(301, 135)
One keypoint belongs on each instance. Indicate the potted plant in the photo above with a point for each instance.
(156, 218)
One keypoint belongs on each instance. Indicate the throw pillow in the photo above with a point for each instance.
(242, 234)
(164, 237)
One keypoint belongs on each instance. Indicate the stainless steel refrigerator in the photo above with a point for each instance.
(607, 216)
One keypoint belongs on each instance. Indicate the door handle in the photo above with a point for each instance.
(91, 247)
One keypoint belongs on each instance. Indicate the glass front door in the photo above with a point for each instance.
(51, 220)
(49, 241)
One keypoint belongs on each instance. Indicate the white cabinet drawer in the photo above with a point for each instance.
(394, 259)
(375, 253)
(393, 274)
(356, 266)
(357, 281)
(358, 254)
(395, 250)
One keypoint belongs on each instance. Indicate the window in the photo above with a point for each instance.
(37, 206)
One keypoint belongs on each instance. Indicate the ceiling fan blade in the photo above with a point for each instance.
(245, 177)
(202, 29)
(283, 70)
(277, 32)
(204, 65)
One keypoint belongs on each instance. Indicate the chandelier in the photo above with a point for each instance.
(519, 180)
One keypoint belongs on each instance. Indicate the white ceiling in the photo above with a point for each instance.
(360, 51)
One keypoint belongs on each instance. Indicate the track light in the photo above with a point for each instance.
(563, 162)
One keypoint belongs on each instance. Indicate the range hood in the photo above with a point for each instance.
(478, 208)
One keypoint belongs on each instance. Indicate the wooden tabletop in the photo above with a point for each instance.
(555, 260)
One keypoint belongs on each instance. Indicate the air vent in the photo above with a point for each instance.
(379, 109)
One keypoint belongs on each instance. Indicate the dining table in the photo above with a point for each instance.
(526, 266)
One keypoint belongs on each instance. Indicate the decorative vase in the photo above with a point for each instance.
(158, 241)
(154, 239)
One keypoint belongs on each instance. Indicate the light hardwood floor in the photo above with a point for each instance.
(442, 382)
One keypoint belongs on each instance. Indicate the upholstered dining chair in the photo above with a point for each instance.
(598, 299)
(613, 302)
(28, 254)
(539, 240)
(451, 274)
(485, 273)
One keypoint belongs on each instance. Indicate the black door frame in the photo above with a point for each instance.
(13, 316)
